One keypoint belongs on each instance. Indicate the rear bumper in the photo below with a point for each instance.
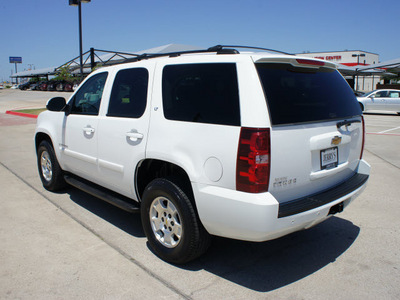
(260, 217)
(300, 205)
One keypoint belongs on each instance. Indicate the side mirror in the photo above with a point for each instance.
(56, 104)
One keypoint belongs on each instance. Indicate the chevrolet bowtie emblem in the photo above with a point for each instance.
(336, 140)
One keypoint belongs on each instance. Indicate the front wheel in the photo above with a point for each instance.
(170, 222)
(49, 170)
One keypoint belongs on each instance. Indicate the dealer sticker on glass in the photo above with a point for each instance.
(329, 158)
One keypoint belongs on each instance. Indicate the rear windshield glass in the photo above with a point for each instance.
(299, 95)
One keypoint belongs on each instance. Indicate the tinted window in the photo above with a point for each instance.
(297, 95)
(87, 99)
(129, 93)
(381, 94)
(204, 93)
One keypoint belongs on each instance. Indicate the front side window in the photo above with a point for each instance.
(202, 93)
(381, 94)
(129, 93)
(87, 100)
(302, 95)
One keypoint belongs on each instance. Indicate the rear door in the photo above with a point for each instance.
(316, 132)
(123, 129)
(393, 101)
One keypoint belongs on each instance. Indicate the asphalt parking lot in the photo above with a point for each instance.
(70, 245)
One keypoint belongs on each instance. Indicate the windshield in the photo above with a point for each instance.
(299, 95)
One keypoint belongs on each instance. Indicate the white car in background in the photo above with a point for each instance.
(387, 100)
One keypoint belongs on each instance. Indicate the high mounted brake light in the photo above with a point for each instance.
(310, 62)
(253, 160)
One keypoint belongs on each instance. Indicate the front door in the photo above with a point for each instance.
(80, 130)
(378, 100)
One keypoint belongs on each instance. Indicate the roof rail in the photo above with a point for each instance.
(218, 49)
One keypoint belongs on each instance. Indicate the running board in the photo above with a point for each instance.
(103, 194)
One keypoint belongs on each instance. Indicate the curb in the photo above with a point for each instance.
(10, 112)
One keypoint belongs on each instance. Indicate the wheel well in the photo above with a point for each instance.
(40, 136)
(151, 169)
(361, 105)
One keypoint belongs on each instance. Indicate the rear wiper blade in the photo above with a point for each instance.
(347, 123)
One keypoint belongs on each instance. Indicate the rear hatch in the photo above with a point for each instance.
(316, 126)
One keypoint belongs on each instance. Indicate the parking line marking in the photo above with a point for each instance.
(389, 130)
(378, 133)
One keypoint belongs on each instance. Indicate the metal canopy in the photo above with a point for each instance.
(35, 73)
(103, 57)
(390, 64)
(95, 57)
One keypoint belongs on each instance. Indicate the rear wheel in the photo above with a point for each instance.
(170, 222)
(49, 170)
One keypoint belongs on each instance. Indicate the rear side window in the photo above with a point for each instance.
(204, 93)
(299, 95)
(129, 93)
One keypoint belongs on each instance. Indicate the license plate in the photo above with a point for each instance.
(329, 158)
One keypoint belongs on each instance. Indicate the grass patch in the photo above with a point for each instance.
(34, 111)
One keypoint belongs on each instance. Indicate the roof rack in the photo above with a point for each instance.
(218, 49)
(221, 47)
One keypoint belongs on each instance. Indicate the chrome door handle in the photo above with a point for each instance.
(134, 136)
(88, 130)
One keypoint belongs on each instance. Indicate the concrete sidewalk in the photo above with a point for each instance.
(42, 244)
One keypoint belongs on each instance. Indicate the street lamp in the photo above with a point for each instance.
(358, 62)
(78, 3)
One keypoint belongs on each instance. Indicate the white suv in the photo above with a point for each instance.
(249, 146)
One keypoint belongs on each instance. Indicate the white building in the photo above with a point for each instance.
(353, 58)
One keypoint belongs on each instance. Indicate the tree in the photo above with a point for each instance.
(64, 74)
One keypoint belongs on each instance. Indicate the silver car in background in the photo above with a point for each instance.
(385, 100)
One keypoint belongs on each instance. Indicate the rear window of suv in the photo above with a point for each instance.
(201, 93)
(300, 95)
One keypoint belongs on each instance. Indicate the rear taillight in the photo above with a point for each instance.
(253, 160)
(363, 136)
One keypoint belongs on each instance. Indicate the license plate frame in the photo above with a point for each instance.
(329, 158)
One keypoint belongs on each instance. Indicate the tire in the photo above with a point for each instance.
(49, 170)
(362, 106)
(171, 224)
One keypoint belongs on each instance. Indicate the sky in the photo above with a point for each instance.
(45, 32)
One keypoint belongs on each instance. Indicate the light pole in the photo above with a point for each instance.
(78, 3)
(358, 62)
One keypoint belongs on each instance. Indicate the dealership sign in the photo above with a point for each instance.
(15, 60)
(330, 57)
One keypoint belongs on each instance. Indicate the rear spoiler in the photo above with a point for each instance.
(296, 61)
